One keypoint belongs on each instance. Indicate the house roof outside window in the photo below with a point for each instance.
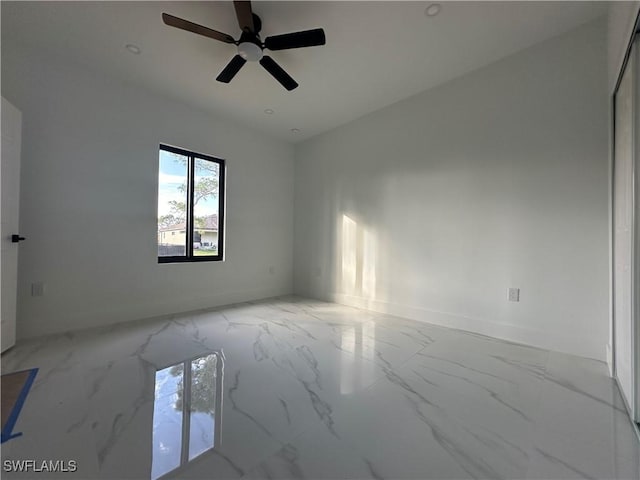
(210, 225)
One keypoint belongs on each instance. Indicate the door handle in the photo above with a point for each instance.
(16, 238)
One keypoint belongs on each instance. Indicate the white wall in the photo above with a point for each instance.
(89, 199)
(496, 179)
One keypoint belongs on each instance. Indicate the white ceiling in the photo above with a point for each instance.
(376, 53)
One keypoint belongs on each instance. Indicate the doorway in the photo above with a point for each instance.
(9, 201)
(626, 229)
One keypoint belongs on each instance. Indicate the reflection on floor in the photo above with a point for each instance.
(184, 412)
(294, 388)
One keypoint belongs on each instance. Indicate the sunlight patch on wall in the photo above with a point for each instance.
(349, 250)
(358, 261)
(369, 265)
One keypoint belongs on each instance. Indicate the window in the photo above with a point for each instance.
(190, 206)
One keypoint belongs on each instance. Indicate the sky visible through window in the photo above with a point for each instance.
(173, 174)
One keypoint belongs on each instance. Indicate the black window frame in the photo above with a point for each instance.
(189, 257)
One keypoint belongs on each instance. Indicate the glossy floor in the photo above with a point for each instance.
(292, 388)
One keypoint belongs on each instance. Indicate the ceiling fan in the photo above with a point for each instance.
(250, 47)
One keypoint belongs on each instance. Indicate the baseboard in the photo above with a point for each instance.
(160, 308)
(574, 345)
(636, 426)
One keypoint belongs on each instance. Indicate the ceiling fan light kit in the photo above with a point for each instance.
(250, 47)
(250, 51)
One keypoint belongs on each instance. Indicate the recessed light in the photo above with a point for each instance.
(268, 111)
(295, 130)
(433, 10)
(133, 48)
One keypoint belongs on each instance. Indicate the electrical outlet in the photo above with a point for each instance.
(513, 294)
(37, 289)
(272, 269)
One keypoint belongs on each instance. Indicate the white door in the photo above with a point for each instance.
(624, 209)
(635, 299)
(9, 208)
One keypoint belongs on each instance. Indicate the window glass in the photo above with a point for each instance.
(205, 208)
(172, 204)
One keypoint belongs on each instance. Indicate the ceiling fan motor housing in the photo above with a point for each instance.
(250, 47)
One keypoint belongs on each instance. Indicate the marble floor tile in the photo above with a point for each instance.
(563, 456)
(436, 432)
(580, 400)
(316, 454)
(298, 388)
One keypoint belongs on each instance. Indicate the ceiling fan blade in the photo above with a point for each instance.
(195, 28)
(245, 16)
(307, 38)
(278, 73)
(233, 67)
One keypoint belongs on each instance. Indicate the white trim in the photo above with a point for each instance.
(575, 344)
(635, 231)
(160, 308)
(636, 425)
